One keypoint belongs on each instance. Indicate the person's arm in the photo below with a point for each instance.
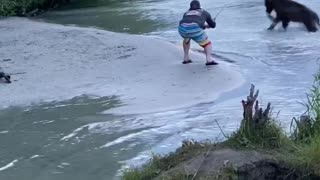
(209, 20)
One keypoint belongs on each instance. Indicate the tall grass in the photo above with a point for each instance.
(306, 131)
(307, 127)
(271, 136)
(308, 156)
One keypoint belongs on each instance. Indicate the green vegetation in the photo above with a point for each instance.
(269, 137)
(300, 151)
(307, 128)
(26, 7)
(160, 164)
(306, 133)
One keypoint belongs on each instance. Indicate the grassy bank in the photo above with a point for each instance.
(27, 7)
(294, 156)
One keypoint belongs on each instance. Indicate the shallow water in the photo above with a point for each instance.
(73, 140)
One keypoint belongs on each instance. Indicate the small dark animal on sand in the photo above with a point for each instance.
(5, 76)
(288, 10)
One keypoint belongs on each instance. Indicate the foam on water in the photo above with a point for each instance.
(9, 165)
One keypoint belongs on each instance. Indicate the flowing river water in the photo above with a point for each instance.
(71, 139)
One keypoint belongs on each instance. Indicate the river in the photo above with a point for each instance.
(72, 139)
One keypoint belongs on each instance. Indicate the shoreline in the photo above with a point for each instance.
(258, 149)
(136, 68)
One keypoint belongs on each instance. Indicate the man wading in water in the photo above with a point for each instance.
(192, 27)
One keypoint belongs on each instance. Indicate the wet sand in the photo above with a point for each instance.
(51, 62)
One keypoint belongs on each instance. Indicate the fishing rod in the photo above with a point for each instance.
(214, 19)
(219, 12)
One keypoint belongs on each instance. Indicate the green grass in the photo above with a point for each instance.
(269, 137)
(159, 164)
(306, 133)
(308, 156)
(308, 127)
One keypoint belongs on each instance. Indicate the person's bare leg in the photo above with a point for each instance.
(207, 50)
(186, 48)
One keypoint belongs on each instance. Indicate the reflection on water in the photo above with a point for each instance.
(120, 16)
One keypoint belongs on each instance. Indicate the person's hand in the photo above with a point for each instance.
(207, 26)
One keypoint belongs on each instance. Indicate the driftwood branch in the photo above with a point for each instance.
(253, 115)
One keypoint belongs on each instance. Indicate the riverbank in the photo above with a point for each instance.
(57, 62)
(259, 149)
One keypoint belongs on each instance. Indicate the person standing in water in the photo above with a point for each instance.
(192, 26)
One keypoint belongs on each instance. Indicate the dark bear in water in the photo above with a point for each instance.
(288, 10)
